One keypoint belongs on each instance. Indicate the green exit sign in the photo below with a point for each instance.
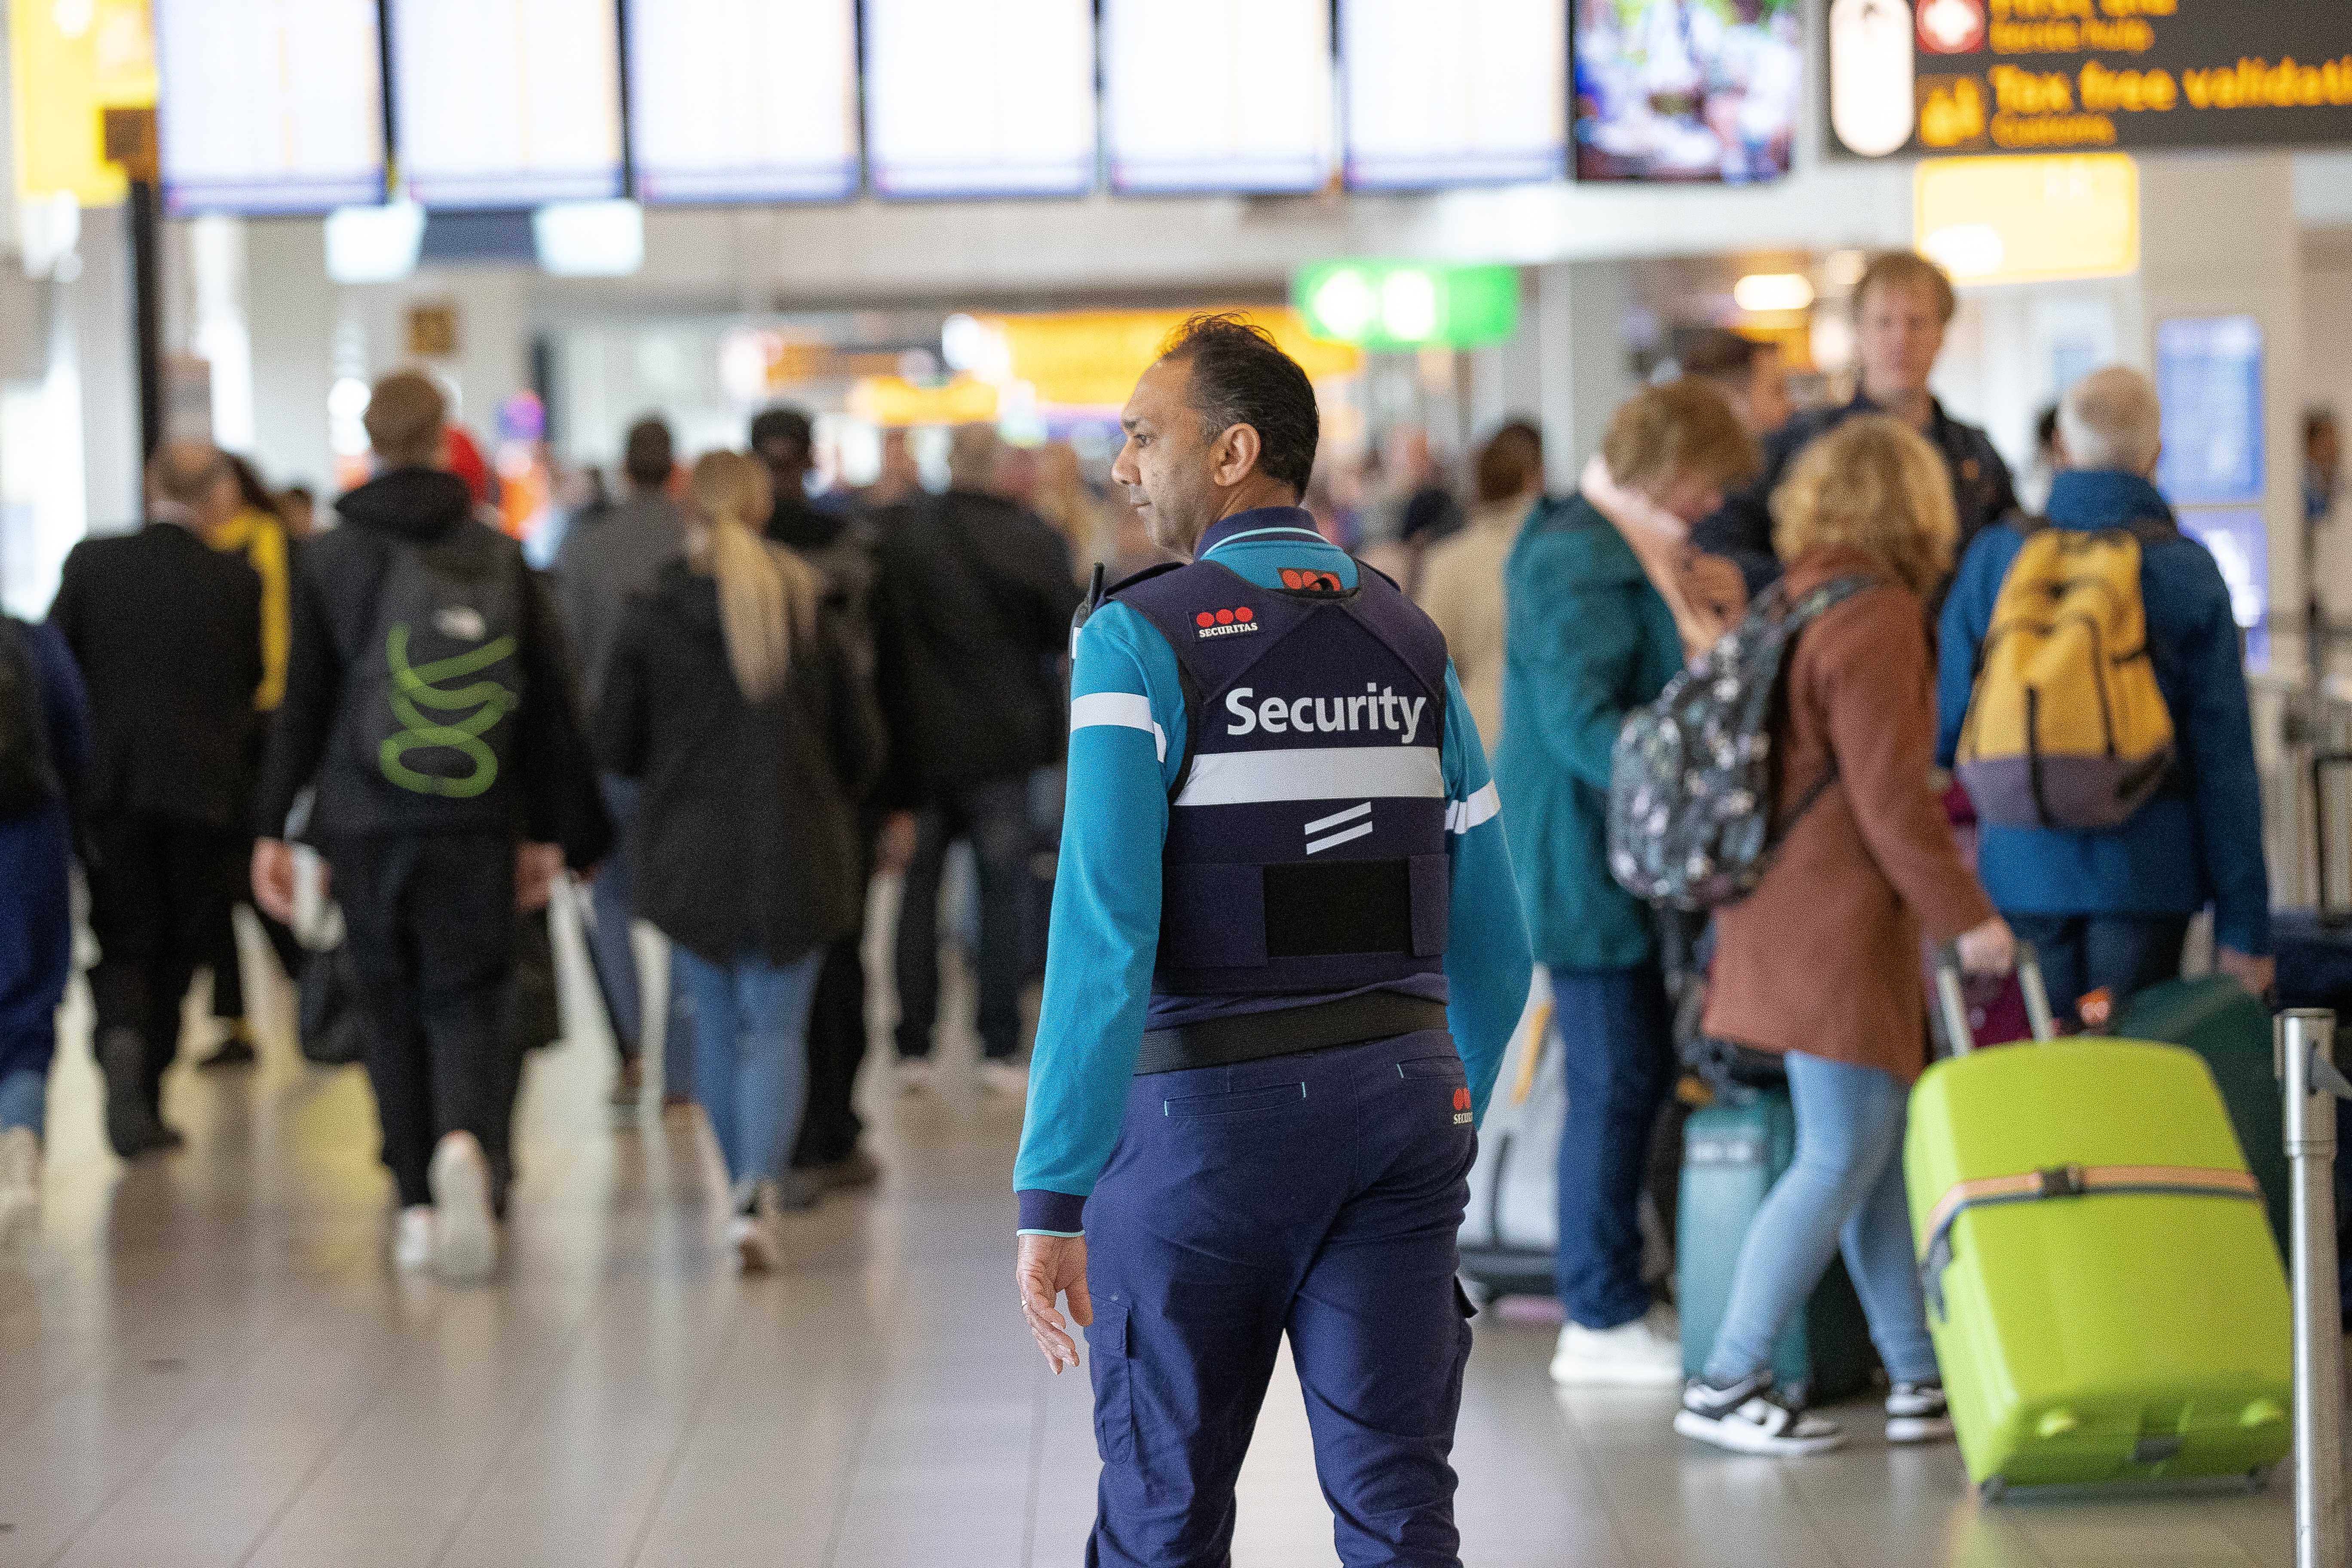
(1408, 304)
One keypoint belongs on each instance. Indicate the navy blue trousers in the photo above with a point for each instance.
(1318, 1195)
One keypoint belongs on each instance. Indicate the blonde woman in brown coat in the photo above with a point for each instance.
(1820, 965)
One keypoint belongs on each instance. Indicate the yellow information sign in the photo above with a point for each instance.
(70, 61)
(1090, 359)
(895, 402)
(2029, 220)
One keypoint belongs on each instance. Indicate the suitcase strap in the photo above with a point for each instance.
(2066, 1181)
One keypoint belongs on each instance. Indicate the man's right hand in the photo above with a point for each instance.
(1047, 1266)
(273, 879)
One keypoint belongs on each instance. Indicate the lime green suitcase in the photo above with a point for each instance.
(2102, 1288)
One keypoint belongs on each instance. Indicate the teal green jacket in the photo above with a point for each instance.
(1588, 641)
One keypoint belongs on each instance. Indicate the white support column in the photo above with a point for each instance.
(1581, 370)
(292, 336)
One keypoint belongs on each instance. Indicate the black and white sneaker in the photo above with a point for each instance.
(1747, 1419)
(1915, 1413)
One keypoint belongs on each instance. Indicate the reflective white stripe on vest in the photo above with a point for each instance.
(1117, 710)
(1320, 772)
(1462, 816)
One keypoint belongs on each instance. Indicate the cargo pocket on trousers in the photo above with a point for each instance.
(1107, 1337)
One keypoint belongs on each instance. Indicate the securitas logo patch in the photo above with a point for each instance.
(1460, 1108)
(1226, 623)
(1311, 581)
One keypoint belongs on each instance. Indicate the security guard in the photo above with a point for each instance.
(1287, 954)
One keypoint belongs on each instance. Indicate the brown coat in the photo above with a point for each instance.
(1823, 957)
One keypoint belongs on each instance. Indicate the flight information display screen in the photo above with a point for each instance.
(270, 106)
(743, 100)
(507, 104)
(980, 97)
(1467, 94)
(1217, 95)
(1688, 90)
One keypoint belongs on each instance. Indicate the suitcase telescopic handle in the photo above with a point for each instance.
(1955, 1002)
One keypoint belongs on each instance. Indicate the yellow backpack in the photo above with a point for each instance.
(2066, 727)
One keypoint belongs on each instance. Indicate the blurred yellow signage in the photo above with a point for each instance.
(1090, 359)
(2029, 220)
(894, 402)
(70, 60)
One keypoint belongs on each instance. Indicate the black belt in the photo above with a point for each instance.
(1318, 1026)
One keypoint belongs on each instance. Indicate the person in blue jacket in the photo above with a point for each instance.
(37, 914)
(2109, 910)
(1287, 957)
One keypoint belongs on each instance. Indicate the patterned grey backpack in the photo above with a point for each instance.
(1690, 780)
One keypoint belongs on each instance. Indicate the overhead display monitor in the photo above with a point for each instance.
(743, 100)
(1958, 76)
(1472, 93)
(980, 97)
(1688, 90)
(506, 103)
(1229, 96)
(270, 106)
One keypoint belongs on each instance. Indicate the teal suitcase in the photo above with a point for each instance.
(2223, 1022)
(1732, 1154)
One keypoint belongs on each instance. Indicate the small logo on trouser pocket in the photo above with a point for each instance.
(1460, 1108)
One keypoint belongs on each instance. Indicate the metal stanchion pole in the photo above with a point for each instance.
(2305, 1039)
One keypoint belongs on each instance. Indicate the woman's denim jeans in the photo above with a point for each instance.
(750, 1055)
(1844, 1189)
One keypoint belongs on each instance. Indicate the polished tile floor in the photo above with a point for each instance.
(206, 1361)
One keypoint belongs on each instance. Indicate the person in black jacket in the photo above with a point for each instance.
(168, 635)
(414, 622)
(840, 545)
(734, 699)
(1902, 307)
(972, 613)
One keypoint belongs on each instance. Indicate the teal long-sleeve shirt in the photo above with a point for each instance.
(1127, 743)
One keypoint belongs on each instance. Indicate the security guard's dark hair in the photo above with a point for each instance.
(1241, 376)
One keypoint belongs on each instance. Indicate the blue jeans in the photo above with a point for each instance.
(750, 1055)
(24, 1099)
(610, 943)
(993, 814)
(2082, 953)
(1844, 1190)
(1615, 1035)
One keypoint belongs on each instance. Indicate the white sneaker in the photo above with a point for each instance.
(1915, 1413)
(1003, 1078)
(753, 1234)
(1644, 1353)
(412, 1238)
(20, 1183)
(1746, 1419)
(465, 1246)
(914, 1074)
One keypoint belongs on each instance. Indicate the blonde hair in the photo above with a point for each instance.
(1875, 485)
(1683, 426)
(767, 595)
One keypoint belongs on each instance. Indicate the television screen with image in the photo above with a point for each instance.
(1688, 90)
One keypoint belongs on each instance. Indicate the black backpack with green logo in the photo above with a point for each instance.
(441, 675)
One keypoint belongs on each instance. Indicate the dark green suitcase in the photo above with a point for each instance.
(2226, 1025)
(1732, 1154)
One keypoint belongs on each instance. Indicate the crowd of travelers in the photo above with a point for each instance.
(734, 701)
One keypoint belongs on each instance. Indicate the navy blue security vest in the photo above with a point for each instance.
(1306, 850)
